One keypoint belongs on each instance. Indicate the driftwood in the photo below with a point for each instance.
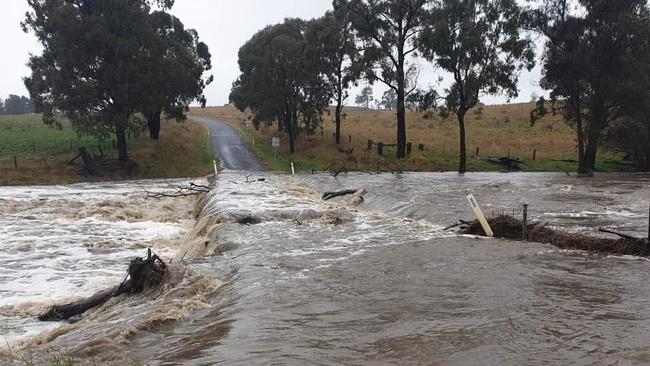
(91, 167)
(510, 228)
(142, 274)
(191, 189)
(330, 195)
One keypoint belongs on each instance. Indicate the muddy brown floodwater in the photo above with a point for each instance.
(329, 283)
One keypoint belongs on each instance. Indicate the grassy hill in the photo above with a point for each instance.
(42, 153)
(495, 130)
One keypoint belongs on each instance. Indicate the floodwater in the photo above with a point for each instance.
(329, 282)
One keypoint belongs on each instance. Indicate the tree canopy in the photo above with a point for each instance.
(480, 44)
(103, 62)
(332, 39)
(175, 79)
(389, 30)
(591, 47)
(281, 79)
(15, 104)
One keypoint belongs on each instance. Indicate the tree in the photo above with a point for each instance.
(332, 38)
(389, 30)
(281, 79)
(588, 43)
(389, 99)
(178, 61)
(14, 104)
(480, 44)
(93, 66)
(631, 133)
(365, 97)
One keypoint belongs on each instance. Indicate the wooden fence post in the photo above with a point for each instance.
(34, 146)
(350, 137)
(478, 149)
(409, 148)
(534, 154)
(369, 145)
(525, 227)
(15, 162)
(380, 148)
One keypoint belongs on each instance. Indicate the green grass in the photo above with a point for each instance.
(27, 135)
(183, 151)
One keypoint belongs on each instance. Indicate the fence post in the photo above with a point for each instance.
(15, 162)
(478, 149)
(380, 148)
(350, 137)
(34, 146)
(409, 148)
(534, 154)
(525, 227)
(369, 145)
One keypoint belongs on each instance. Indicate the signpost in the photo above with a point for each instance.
(479, 215)
(276, 145)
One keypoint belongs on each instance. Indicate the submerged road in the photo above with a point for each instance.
(229, 146)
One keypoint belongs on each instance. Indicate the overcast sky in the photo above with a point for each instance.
(225, 25)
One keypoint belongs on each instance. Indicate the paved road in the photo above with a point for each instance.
(229, 146)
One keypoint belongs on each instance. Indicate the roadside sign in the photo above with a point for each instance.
(276, 144)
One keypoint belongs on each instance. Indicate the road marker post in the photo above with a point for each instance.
(479, 215)
(293, 170)
(216, 171)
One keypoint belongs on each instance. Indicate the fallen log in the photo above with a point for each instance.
(142, 274)
(330, 195)
(508, 227)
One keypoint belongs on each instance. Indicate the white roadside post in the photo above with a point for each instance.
(479, 215)
(216, 171)
(293, 171)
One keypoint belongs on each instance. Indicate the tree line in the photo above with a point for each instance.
(113, 67)
(596, 65)
(15, 104)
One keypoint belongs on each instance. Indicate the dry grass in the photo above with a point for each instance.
(497, 130)
(183, 151)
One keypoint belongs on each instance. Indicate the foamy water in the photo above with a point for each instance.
(336, 283)
(60, 244)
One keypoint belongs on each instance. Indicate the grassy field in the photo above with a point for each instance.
(42, 153)
(496, 131)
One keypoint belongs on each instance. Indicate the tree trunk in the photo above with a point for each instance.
(153, 122)
(462, 168)
(339, 108)
(589, 160)
(401, 124)
(290, 129)
(121, 145)
(581, 145)
(401, 108)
